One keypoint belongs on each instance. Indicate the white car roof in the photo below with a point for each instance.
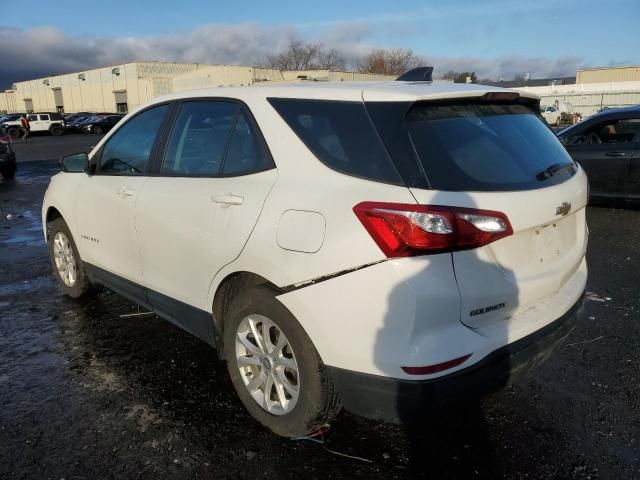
(392, 91)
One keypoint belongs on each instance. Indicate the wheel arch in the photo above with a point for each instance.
(228, 289)
(52, 214)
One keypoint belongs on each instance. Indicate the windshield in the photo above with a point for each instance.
(478, 146)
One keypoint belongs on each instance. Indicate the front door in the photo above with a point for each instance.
(106, 214)
(604, 151)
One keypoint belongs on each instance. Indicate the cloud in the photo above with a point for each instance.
(39, 52)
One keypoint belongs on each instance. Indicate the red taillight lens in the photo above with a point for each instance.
(404, 230)
(440, 367)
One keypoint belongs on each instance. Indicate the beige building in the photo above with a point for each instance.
(624, 73)
(120, 88)
(116, 88)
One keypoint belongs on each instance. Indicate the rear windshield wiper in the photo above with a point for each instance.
(554, 169)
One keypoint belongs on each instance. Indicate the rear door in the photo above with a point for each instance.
(604, 150)
(502, 158)
(196, 214)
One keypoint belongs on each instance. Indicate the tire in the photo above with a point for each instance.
(9, 173)
(316, 402)
(97, 130)
(14, 132)
(80, 284)
(55, 130)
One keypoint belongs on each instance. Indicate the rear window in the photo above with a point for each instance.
(477, 146)
(340, 135)
(484, 146)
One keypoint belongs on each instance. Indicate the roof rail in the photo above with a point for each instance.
(418, 74)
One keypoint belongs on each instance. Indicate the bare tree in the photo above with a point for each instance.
(297, 56)
(330, 60)
(393, 61)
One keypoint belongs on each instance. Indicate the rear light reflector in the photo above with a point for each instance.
(405, 230)
(439, 367)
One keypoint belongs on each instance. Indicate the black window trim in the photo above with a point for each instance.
(97, 158)
(156, 170)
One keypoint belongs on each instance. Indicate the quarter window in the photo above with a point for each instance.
(340, 135)
(128, 151)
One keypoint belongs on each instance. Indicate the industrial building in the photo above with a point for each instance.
(120, 88)
(623, 73)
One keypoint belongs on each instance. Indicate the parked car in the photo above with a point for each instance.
(73, 117)
(4, 135)
(75, 124)
(7, 155)
(39, 122)
(607, 146)
(377, 247)
(101, 125)
(551, 114)
(10, 118)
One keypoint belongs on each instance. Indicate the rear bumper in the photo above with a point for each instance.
(394, 400)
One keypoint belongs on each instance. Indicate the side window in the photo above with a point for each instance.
(340, 135)
(128, 150)
(246, 153)
(199, 138)
(629, 130)
(44, 117)
(32, 118)
(621, 131)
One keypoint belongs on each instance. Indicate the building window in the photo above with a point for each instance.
(121, 108)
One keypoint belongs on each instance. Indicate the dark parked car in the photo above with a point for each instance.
(101, 124)
(75, 124)
(607, 146)
(7, 156)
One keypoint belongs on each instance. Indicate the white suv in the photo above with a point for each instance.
(38, 122)
(380, 247)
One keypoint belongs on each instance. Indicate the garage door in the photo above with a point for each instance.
(121, 101)
(57, 97)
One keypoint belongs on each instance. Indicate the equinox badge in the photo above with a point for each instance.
(563, 209)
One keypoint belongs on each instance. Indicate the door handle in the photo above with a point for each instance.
(615, 154)
(227, 199)
(124, 192)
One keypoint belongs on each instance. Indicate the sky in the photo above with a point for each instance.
(495, 38)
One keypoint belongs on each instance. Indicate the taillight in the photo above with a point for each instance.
(406, 230)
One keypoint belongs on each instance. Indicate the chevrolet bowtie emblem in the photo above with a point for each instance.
(563, 209)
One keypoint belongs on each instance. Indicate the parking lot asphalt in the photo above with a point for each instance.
(47, 147)
(88, 393)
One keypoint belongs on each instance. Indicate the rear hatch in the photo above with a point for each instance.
(494, 155)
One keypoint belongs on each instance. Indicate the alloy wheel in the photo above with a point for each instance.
(64, 259)
(267, 364)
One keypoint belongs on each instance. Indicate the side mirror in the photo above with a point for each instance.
(75, 163)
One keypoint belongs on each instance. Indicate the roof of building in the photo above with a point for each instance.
(607, 68)
(534, 82)
(349, 91)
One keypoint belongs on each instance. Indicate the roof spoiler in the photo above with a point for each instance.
(418, 74)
